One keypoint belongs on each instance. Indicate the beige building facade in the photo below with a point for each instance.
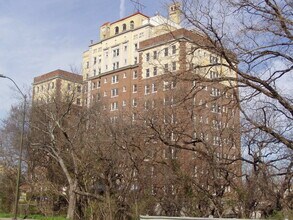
(57, 85)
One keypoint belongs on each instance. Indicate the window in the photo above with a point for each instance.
(147, 73)
(148, 57)
(216, 140)
(94, 85)
(116, 30)
(124, 27)
(114, 92)
(216, 108)
(52, 85)
(115, 79)
(173, 84)
(195, 170)
(87, 65)
(173, 49)
(147, 89)
(105, 80)
(154, 88)
(147, 105)
(113, 119)
(78, 101)
(168, 101)
(155, 55)
(213, 59)
(105, 94)
(114, 106)
(95, 60)
(135, 46)
(116, 65)
(95, 72)
(155, 71)
(173, 66)
(217, 125)
(166, 67)
(166, 86)
(134, 88)
(99, 84)
(134, 103)
(166, 51)
(68, 86)
(135, 60)
(123, 103)
(131, 25)
(116, 52)
(215, 92)
(200, 119)
(125, 48)
(124, 89)
(214, 75)
(134, 75)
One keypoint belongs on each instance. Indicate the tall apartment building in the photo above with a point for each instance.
(160, 74)
(57, 85)
(151, 67)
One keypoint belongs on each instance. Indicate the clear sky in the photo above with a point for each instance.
(39, 36)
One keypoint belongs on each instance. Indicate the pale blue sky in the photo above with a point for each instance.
(38, 36)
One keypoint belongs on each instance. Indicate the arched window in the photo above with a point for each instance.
(116, 30)
(124, 27)
(132, 25)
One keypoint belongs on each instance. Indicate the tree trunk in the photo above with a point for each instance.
(71, 201)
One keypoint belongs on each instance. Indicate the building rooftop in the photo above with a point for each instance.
(137, 13)
(58, 74)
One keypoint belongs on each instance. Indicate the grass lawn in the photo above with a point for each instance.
(39, 217)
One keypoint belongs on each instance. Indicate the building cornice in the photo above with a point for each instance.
(112, 71)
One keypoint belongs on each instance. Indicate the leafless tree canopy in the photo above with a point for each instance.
(102, 167)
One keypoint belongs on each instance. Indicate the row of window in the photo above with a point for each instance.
(114, 80)
(155, 69)
(51, 85)
(124, 27)
(148, 89)
(216, 140)
(166, 53)
(216, 124)
(116, 53)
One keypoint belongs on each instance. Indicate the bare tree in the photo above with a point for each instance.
(251, 47)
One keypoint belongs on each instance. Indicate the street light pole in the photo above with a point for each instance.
(20, 148)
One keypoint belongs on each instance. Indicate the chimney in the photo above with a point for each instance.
(175, 13)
